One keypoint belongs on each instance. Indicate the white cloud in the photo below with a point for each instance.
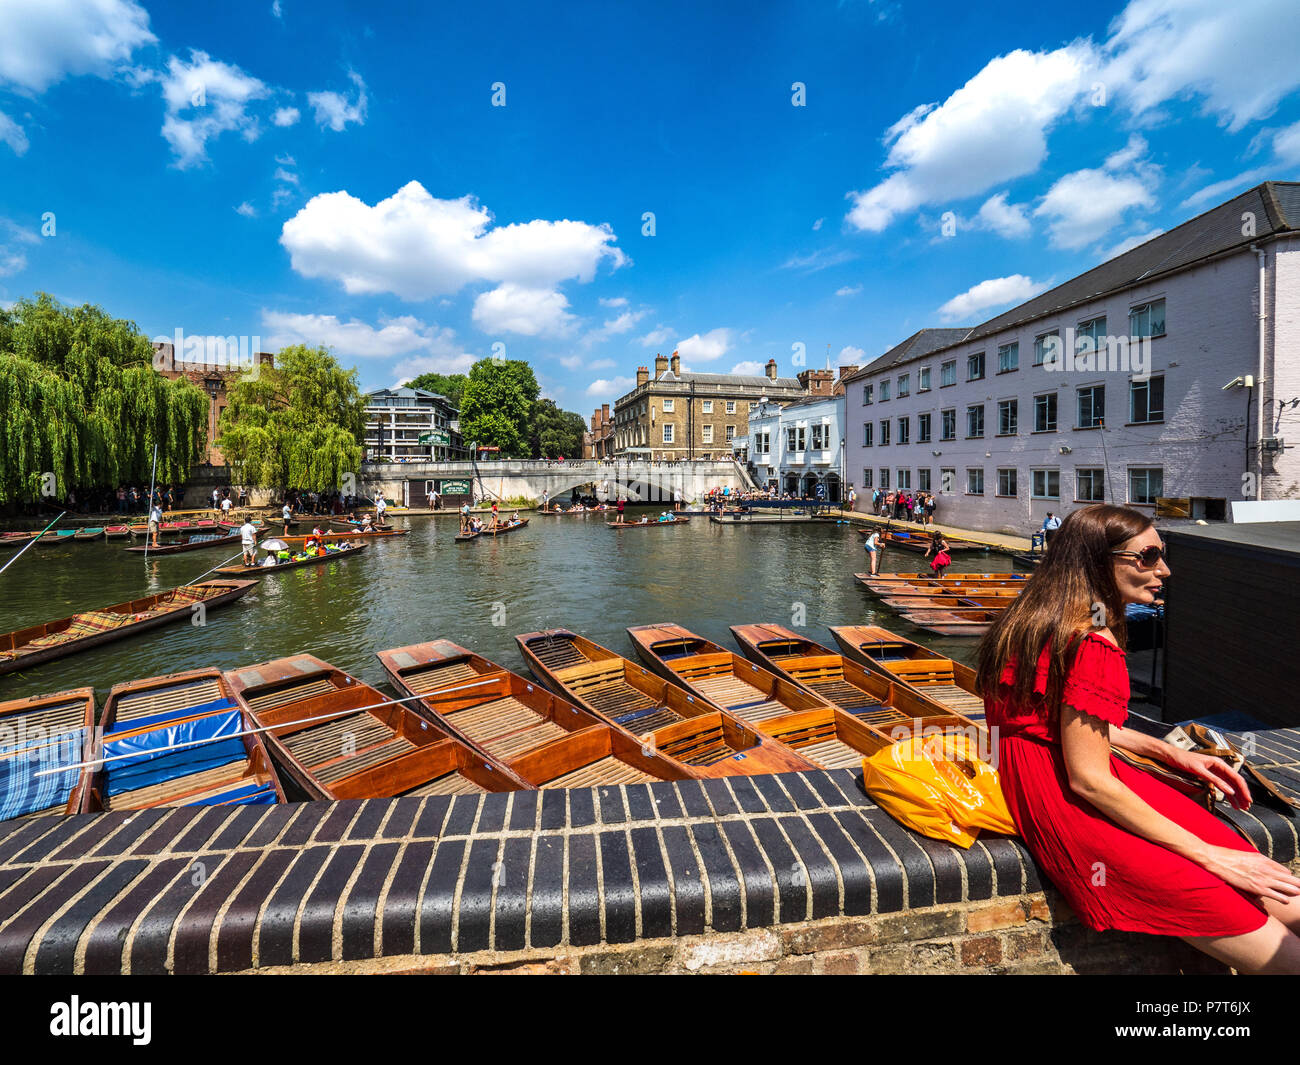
(995, 292)
(13, 238)
(601, 364)
(286, 116)
(419, 247)
(712, 345)
(286, 160)
(12, 134)
(818, 224)
(44, 41)
(205, 98)
(1129, 243)
(1286, 153)
(848, 290)
(531, 312)
(615, 301)
(286, 176)
(1084, 206)
(276, 10)
(1286, 144)
(614, 327)
(1232, 57)
(819, 260)
(333, 109)
(611, 389)
(428, 347)
(280, 195)
(656, 337)
(992, 129)
(749, 368)
(246, 209)
(1004, 219)
(851, 356)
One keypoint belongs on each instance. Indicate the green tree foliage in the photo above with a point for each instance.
(80, 398)
(556, 432)
(298, 424)
(450, 385)
(497, 405)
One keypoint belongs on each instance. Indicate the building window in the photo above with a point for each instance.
(866, 434)
(819, 437)
(706, 406)
(884, 391)
(974, 422)
(789, 438)
(800, 438)
(1092, 406)
(753, 407)
(904, 431)
(866, 477)
(1045, 413)
(1045, 345)
(948, 424)
(1146, 400)
(707, 433)
(975, 367)
(923, 428)
(866, 394)
(948, 374)
(904, 388)
(731, 406)
(923, 379)
(1009, 357)
(1090, 336)
(668, 406)
(884, 432)
(1147, 319)
(975, 481)
(730, 430)
(884, 477)
(1008, 417)
(905, 479)
(1090, 485)
(1006, 482)
(1045, 484)
(668, 433)
(923, 480)
(1145, 484)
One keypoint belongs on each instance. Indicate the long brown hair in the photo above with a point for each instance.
(1060, 601)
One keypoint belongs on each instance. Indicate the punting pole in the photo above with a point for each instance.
(152, 474)
(267, 728)
(32, 541)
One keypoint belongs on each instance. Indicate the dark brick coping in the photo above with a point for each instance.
(226, 889)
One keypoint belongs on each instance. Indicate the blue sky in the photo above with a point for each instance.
(337, 173)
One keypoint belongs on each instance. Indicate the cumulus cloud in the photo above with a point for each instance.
(1285, 143)
(1086, 205)
(12, 134)
(276, 10)
(246, 209)
(13, 240)
(512, 308)
(995, 292)
(818, 224)
(419, 247)
(1004, 219)
(603, 389)
(712, 345)
(749, 368)
(657, 337)
(44, 41)
(614, 301)
(205, 98)
(613, 327)
(851, 356)
(848, 290)
(335, 110)
(286, 116)
(819, 260)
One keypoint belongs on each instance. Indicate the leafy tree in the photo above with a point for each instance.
(450, 385)
(497, 405)
(298, 424)
(80, 398)
(555, 432)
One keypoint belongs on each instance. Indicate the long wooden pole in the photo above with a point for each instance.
(32, 541)
(152, 474)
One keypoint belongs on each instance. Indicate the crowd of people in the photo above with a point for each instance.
(902, 505)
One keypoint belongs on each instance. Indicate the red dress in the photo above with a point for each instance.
(1110, 877)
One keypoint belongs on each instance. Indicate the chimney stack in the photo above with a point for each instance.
(677, 364)
(661, 366)
(604, 414)
(642, 376)
(771, 369)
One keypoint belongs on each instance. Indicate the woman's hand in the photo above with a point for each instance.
(1211, 770)
(1253, 873)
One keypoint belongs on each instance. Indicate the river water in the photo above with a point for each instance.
(569, 572)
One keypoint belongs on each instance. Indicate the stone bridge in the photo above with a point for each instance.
(633, 479)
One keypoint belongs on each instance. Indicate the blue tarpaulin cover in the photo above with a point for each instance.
(150, 764)
(21, 790)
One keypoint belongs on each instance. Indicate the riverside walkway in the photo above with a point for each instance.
(1000, 541)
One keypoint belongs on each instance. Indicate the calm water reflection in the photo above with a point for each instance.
(558, 572)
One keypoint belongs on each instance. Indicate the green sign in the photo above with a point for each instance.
(438, 436)
(455, 488)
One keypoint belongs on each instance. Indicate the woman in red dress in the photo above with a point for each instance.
(1127, 851)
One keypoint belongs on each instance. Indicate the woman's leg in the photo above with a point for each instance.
(1287, 912)
(1271, 950)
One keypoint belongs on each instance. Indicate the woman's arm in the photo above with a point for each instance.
(1211, 770)
(1085, 743)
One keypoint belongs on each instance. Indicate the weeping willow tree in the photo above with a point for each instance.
(298, 424)
(80, 399)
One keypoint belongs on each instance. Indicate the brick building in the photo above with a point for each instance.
(598, 441)
(215, 378)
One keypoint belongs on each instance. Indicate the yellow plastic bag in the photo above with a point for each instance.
(938, 786)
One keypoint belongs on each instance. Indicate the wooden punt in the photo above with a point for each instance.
(311, 560)
(83, 535)
(57, 639)
(600, 756)
(39, 733)
(16, 539)
(179, 710)
(964, 578)
(742, 688)
(989, 590)
(345, 525)
(330, 537)
(947, 682)
(645, 524)
(869, 697)
(504, 527)
(946, 602)
(337, 738)
(919, 542)
(197, 542)
(55, 538)
(953, 622)
(466, 537)
(117, 532)
(235, 526)
(683, 725)
(834, 739)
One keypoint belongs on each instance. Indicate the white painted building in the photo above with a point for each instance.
(411, 425)
(797, 446)
(1152, 376)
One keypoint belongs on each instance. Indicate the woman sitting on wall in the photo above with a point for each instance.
(1127, 850)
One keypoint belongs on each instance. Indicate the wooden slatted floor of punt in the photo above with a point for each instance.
(730, 691)
(427, 679)
(616, 699)
(505, 727)
(649, 723)
(832, 753)
(606, 771)
(959, 700)
(557, 654)
(322, 748)
(51, 720)
(209, 782)
(843, 694)
(135, 705)
(702, 749)
(291, 694)
(448, 784)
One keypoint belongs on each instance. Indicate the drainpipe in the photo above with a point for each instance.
(1259, 377)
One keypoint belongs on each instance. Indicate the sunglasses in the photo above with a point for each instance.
(1146, 558)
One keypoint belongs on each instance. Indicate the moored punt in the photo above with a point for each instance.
(16, 539)
(337, 738)
(728, 681)
(262, 571)
(989, 589)
(57, 639)
(330, 537)
(117, 532)
(946, 602)
(82, 535)
(193, 543)
(685, 727)
(953, 622)
(178, 740)
(55, 537)
(949, 683)
(909, 578)
(869, 697)
(919, 542)
(41, 733)
(645, 524)
(938, 585)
